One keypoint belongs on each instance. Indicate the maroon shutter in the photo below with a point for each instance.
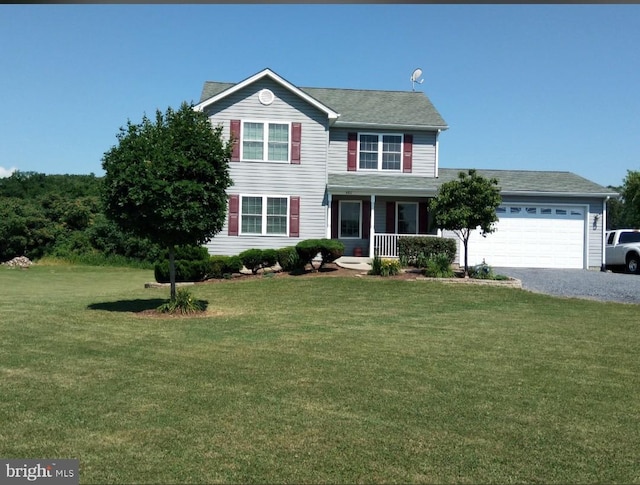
(235, 139)
(352, 152)
(423, 217)
(334, 219)
(234, 205)
(407, 154)
(366, 218)
(294, 217)
(391, 218)
(296, 136)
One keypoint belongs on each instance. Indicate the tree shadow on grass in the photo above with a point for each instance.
(136, 306)
(128, 306)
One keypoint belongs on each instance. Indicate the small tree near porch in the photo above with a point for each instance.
(166, 180)
(464, 204)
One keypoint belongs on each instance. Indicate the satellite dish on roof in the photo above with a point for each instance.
(414, 78)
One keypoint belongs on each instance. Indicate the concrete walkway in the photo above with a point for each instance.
(351, 262)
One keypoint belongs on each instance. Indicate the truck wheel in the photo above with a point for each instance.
(633, 263)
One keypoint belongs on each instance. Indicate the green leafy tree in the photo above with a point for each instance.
(631, 199)
(166, 180)
(464, 204)
(615, 208)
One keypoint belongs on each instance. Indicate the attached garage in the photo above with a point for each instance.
(533, 236)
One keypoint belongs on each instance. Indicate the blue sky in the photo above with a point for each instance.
(529, 87)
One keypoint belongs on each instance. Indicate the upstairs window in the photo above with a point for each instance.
(379, 152)
(265, 141)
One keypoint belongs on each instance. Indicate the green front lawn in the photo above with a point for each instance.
(312, 379)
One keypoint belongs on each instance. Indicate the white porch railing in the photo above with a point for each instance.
(386, 245)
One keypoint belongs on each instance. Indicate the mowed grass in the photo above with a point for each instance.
(317, 380)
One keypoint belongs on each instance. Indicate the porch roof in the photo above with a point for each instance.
(511, 182)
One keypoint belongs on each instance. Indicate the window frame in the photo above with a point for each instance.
(264, 215)
(265, 140)
(359, 202)
(380, 152)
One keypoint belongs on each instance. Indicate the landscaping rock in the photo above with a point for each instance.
(18, 262)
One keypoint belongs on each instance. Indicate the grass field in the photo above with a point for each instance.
(317, 380)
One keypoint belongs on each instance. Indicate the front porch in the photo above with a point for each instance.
(371, 225)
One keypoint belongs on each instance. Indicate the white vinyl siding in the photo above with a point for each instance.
(306, 180)
(378, 151)
(423, 158)
(265, 141)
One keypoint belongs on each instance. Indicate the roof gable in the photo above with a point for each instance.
(219, 91)
(357, 108)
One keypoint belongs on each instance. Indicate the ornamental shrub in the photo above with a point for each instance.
(483, 271)
(252, 259)
(410, 248)
(257, 259)
(436, 266)
(329, 249)
(184, 303)
(288, 258)
(192, 264)
(269, 257)
(384, 267)
(219, 266)
(185, 271)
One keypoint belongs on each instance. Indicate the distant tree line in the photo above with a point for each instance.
(62, 216)
(624, 213)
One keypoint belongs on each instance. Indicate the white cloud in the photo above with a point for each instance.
(6, 172)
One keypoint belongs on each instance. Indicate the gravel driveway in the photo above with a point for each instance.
(578, 283)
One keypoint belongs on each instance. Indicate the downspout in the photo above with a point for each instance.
(603, 267)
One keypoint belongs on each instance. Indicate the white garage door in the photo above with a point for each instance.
(532, 236)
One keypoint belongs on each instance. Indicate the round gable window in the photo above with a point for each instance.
(266, 96)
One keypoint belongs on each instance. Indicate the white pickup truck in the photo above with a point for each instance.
(623, 249)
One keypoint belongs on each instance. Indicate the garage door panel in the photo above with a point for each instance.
(523, 239)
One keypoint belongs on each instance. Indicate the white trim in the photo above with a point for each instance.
(603, 228)
(387, 126)
(268, 73)
(437, 149)
(265, 140)
(372, 232)
(264, 198)
(328, 221)
(359, 202)
(380, 152)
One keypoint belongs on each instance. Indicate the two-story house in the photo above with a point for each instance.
(361, 166)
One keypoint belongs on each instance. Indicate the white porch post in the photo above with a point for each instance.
(328, 216)
(372, 233)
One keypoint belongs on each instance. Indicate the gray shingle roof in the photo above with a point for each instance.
(511, 182)
(403, 108)
(380, 107)
(211, 89)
